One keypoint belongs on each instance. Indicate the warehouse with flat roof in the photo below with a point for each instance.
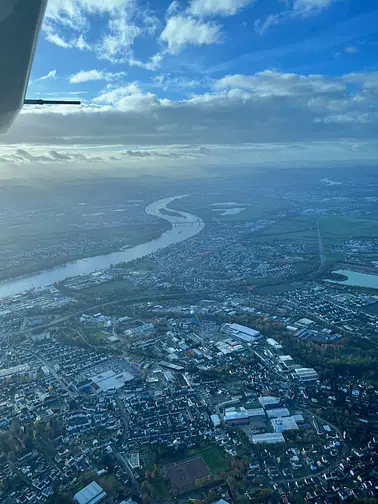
(268, 438)
(284, 424)
(256, 413)
(91, 494)
(242, 332)
(306, 374)
(236, 418)
(269, 402)
(272, 342)
(109, 381)
(278, 413)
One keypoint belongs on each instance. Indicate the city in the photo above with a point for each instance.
(234, 362)
(188, 252)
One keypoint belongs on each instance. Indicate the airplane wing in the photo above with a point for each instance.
(20, 24)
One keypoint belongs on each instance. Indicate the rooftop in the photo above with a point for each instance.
(268, 438)
(91, 494)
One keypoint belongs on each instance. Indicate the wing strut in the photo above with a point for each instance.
(51, 102)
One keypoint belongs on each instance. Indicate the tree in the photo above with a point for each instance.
(155, 472)
(173, 492)
(111, 484)
(148, 488)
(146, 499)
(231, 482)
(266, 494)
(212, 496)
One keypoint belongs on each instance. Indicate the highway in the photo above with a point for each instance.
(128, 300)
(321, 248)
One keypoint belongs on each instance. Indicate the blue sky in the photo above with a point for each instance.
(195, 80)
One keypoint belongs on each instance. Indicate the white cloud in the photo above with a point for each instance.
(271, 83)
(168, 82)
(152, 64)
(81, 44)
(305, 8)
(93, 75)
(217, 7)
(73, 13)
(182, 31)
(173, 7)
(50, 75)
(128, 99)
(121, 36)
(123, 21)
(267, 107)
(302, 9)
(56, 39)
(30, 155)
(351, 50)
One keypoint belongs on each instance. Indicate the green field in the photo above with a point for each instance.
(161, 488)
(273, 289)
(333, 229)
(213, 456)
(204, 208)
(111, 286)
(215, 459)
(336, 228)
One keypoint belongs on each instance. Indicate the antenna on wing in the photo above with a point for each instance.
(51, 102)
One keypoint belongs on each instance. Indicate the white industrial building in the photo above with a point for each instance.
(291, 328)
(109, 381)
(256, 413)
(298, 418)
(134, 460)
(216, 420)
(269, 402)
(268, 438)
(272, 342)
(242, 332)
(287, 361)
(284, 424)
(305, 322)
(306, 374)
(236, 417)
(142, 329)
(278, 413)
(91, 494)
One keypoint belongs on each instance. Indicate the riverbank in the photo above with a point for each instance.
(37, 267)
(174, 234)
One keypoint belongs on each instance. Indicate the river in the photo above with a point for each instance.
(184, 227)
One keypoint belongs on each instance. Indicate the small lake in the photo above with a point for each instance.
(228, 211)
(357, 279)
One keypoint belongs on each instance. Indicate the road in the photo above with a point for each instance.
(321, 248)
(55, 374)
(135, 484)
(121, 408)
(331, 467)
(311, 414)
(81, 336)
(129, 300)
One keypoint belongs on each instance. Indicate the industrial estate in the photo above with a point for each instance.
(234, 362)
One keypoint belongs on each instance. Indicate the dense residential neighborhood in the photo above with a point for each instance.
(228, 363)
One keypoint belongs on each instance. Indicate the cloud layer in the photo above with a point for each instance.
(264, 107)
